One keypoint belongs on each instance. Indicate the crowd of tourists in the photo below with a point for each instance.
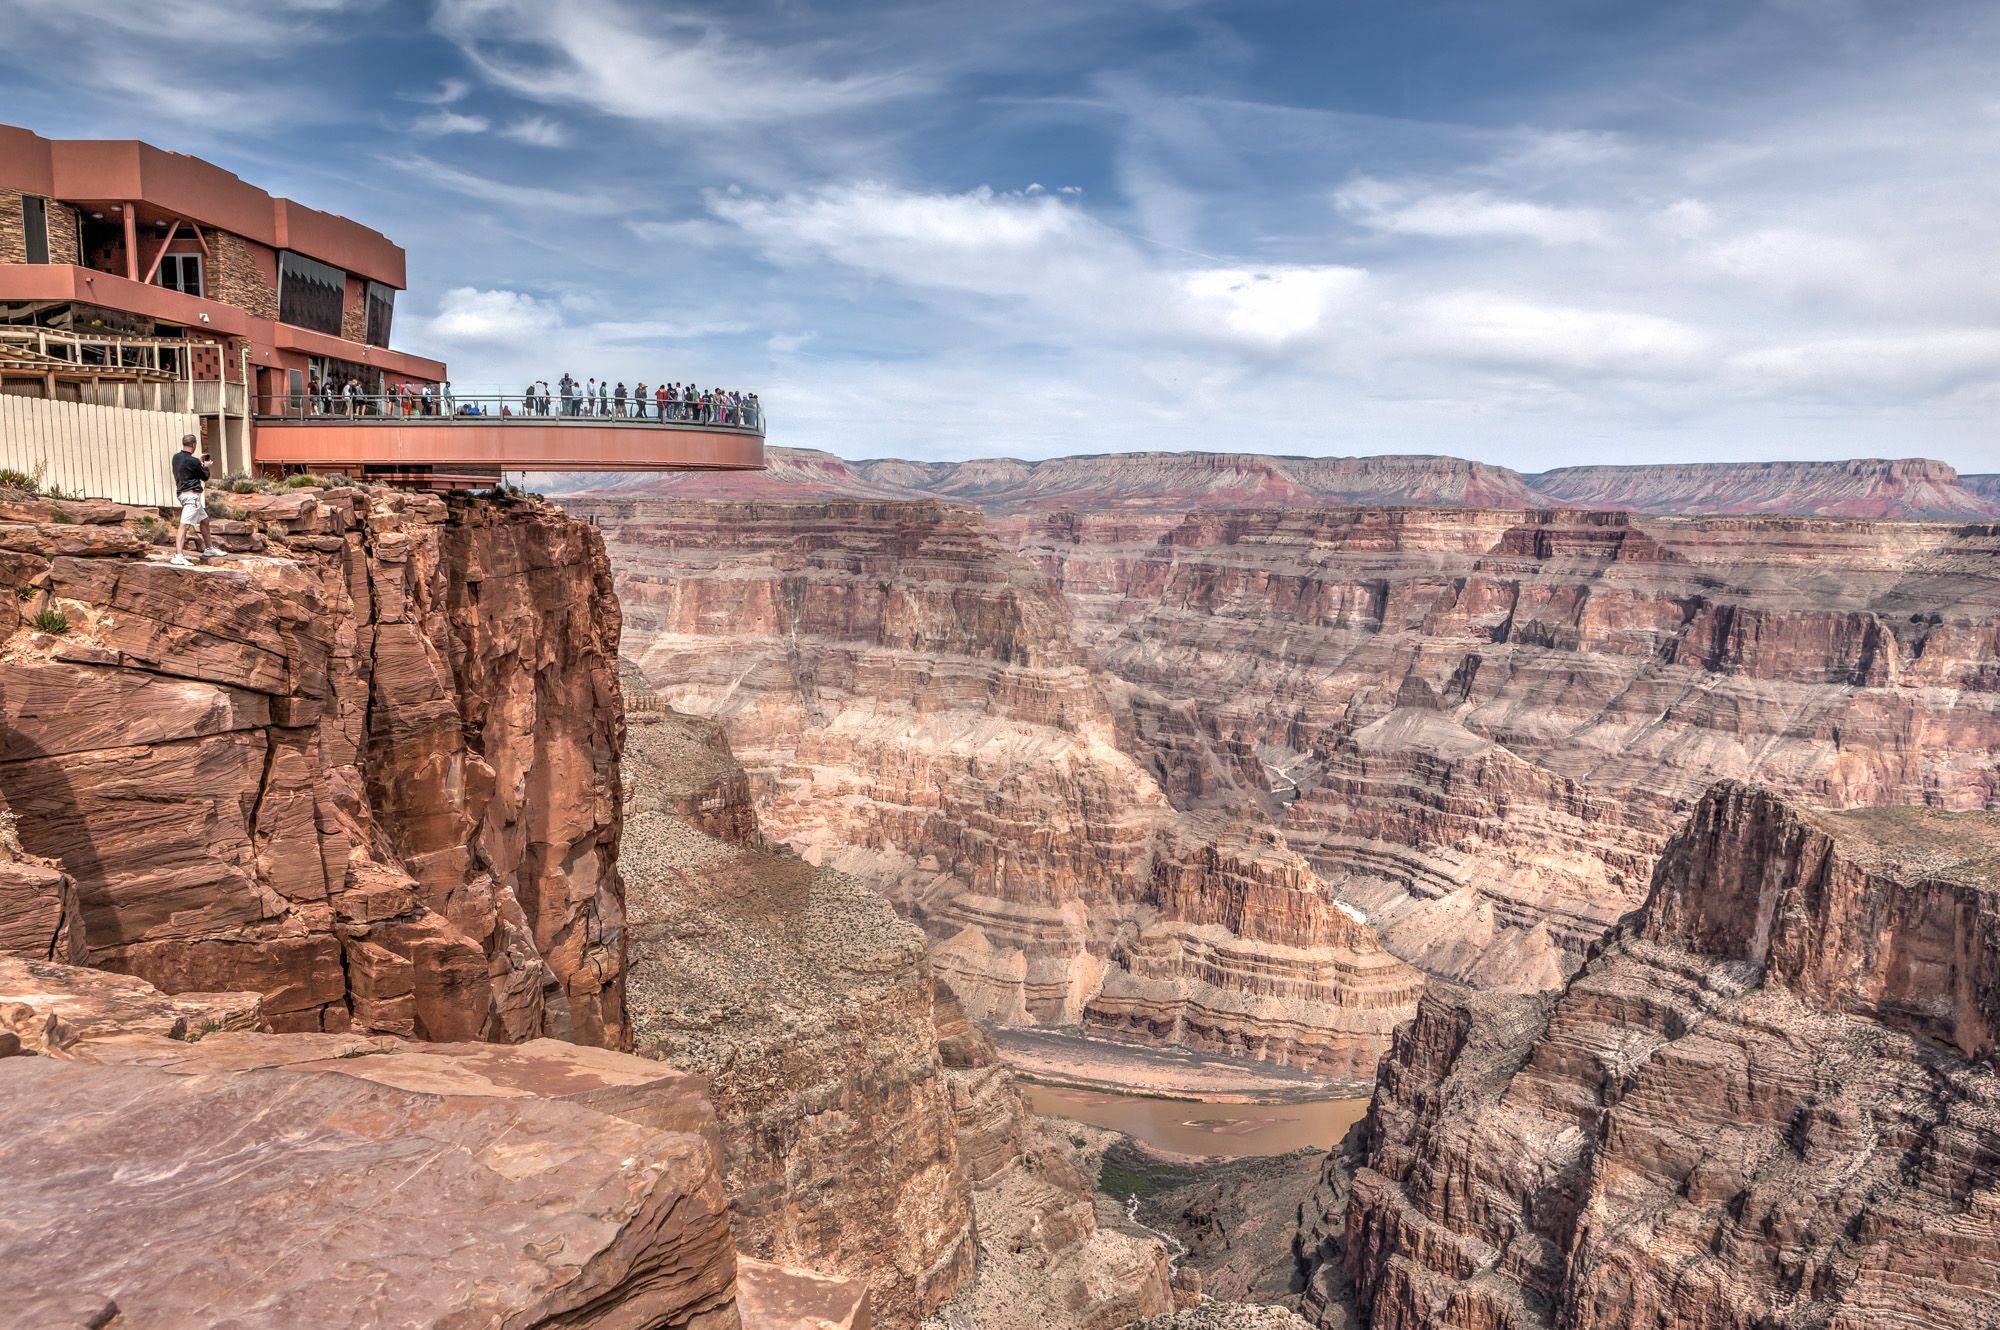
(667, 401)
(590, 397)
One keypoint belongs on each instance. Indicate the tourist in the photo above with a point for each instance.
(660, 400)
(618, 398)
(190, 473)
(603, 398)
(426, 403)
(639, 402)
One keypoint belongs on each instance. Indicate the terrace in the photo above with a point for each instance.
(474, 439)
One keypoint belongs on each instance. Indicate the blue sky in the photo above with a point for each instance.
(1536, 233)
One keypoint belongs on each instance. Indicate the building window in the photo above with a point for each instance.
(35, 227)
(381, 312)
(310, 293)
(181, 272)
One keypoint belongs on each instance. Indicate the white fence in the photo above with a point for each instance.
(99, 452)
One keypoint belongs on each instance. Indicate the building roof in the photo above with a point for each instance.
(117, 171)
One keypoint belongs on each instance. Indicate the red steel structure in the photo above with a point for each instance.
(224, 283)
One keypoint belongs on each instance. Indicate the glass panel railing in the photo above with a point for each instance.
(711, 411)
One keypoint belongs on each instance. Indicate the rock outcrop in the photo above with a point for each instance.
(807, 1004)
(1768, 1101)
(165, 1175)
(366, 766)
(868, 1127)
(912, 709)
(1481, 727)
(1051, 1251)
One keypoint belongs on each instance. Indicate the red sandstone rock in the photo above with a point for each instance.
(911, 708)
(1868, 487)
(1483, 726)
(1768, 1102)
(166, 1174)
(807, 1005)
(371, 775)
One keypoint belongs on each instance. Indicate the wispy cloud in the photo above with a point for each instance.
(441, 123)
(536, 131)
(662, 65)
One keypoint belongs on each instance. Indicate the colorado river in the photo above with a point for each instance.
(1185, 1126)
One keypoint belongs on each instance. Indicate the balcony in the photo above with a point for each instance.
(393, 438)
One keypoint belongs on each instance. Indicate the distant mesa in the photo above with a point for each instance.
(1906, 488)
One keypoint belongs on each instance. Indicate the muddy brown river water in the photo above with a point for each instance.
(1191, 1127)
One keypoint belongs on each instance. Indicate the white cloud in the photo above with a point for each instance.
(443, 122)
(1405, 209)
(1506, 333)
(536, 131)
(447, 92)
(1274, 305)
(1923, 362)
(497, 190)
(492, 318)
(668, 67)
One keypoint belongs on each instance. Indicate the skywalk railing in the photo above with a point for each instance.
(744, 414)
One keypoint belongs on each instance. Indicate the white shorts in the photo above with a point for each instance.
(194, 507)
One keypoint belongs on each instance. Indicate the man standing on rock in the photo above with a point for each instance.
(190, 471)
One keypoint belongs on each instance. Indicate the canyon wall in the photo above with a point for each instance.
(366, 766)
(1768, 1101)
(911, 708)
(1481, 726)
(868, 1131)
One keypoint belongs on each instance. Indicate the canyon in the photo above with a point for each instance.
(911, 707)
(1475, 728)
(645, 875)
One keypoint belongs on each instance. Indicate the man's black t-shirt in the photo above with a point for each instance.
(189, 472)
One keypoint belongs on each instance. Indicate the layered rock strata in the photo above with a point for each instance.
(911, 708)
(365, 766)
(1862, 487)
(807, 1004)
(1768, 1101)
(1481, 727)
(1900, 487)
(868, 1127)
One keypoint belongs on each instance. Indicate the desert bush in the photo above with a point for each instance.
(52, 621)
(10, 479)
(153, 531)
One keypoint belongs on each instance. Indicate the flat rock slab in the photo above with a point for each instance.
(266, 1197)
(53, 1007)
(778, 1297)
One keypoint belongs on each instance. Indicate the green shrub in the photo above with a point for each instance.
(58, 492)
(155, 532)
(306, 479)
(10, 479)
(52, 621)
(219, 507)
(24, 592)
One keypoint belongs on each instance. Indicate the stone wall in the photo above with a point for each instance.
(13, 239)
(234, 275)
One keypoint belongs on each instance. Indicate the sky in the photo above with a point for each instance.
(1537, 233)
